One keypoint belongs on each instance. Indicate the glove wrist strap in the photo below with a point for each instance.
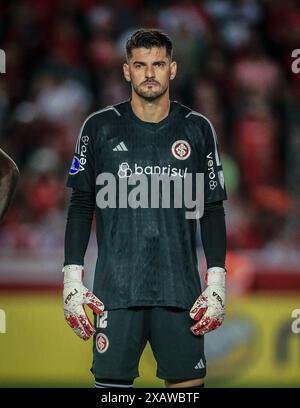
(216, 276)
(73, 273)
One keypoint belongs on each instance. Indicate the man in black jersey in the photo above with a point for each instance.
(9, 175)
(146, 273)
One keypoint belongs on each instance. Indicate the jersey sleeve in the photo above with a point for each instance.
(82, 170)
(214, 184)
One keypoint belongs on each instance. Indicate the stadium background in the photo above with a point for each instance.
(63, 61)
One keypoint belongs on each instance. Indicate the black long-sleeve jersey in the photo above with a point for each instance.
(146, 252)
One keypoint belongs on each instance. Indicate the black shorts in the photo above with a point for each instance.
(122, 335)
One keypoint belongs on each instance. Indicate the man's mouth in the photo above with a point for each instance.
(150, 83)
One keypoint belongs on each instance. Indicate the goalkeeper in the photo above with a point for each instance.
(147, 285)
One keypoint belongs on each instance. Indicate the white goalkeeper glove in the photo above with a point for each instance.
(209, 308)
(75, 296)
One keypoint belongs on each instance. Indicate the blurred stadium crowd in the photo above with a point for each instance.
(64, 61)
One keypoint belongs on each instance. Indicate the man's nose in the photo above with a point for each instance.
(150, 73)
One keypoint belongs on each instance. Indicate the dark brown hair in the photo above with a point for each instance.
(149, 38)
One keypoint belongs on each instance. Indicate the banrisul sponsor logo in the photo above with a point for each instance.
(126, 171)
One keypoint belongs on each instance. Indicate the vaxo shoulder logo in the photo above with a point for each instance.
(79, 160)
(211, 172)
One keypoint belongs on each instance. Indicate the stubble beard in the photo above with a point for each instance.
(149, 95)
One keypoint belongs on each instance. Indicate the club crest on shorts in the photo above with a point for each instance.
(181, 149)
(102, 343)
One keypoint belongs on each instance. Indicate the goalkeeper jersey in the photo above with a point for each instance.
(146, 247)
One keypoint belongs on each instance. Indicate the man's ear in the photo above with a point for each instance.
(173, 70)
(126, 72)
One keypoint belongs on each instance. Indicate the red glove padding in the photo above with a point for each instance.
(75, 296)
(209, 308)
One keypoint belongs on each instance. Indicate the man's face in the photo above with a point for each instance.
(149, 71)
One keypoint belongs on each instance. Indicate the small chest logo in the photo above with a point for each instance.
(101, 343)
(120, 147)
(181, 149)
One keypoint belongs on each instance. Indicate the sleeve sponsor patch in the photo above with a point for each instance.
(76, 167)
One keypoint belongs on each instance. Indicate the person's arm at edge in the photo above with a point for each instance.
(9, 176)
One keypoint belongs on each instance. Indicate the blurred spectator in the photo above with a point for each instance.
(257, 144)
(235, 20)
(61, 100)
(256, 72)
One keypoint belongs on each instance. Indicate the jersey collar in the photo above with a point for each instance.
(153, 125)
